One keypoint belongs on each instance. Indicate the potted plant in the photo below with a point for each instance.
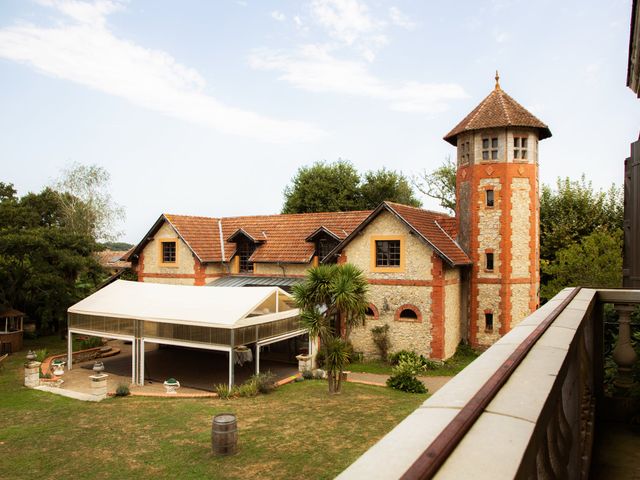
(171, 385)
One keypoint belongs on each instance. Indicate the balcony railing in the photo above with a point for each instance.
(526, 408)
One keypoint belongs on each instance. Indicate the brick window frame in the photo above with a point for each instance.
(374, 310)
(489, 260)
(407, 306)
(489, 197)
(488, 321)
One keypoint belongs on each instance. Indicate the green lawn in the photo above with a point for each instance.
(299, 431)
(464, 356)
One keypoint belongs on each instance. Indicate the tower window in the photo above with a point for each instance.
(489, 260)
(488, 322)
(520, 148)
(490, 148)
(489, 194)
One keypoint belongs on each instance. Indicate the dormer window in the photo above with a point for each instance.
(246, 244)
(244, 252)
(324, 246)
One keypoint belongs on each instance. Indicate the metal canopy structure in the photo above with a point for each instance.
(207, 318)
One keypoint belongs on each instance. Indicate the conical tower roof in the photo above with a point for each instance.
(498, 110)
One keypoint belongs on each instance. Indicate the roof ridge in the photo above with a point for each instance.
(420, 209)
(450, 237)
(504, 107)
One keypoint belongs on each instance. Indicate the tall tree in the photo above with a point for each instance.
(378, 186)
(87, 205)
(594, 261)
(574, 210)
(439, 184)
(44, 266)
(323, 187)
(333, 299)
(338, 187)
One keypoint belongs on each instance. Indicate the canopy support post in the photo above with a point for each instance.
(230, 368)
(257, 359)
(69, 349)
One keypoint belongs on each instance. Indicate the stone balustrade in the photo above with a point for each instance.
(524, 409)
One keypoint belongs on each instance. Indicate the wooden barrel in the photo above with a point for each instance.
(224, 434)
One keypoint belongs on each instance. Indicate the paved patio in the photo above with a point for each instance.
(196, 370)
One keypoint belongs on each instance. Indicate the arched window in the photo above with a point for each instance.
(408, 313)
(371, 313)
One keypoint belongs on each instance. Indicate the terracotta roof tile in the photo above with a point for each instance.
(437, 228)
(498, 110)
(282, 236)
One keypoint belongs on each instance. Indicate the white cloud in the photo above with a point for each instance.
(400, 19)
(314, 68)
(501, 37)
(279, 16)
(85, 51)
(350, 23)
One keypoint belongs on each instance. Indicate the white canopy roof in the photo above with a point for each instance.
(222, 307)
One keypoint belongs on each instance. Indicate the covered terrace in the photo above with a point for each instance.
(225, 319)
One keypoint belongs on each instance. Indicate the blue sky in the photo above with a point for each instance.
(210, 107)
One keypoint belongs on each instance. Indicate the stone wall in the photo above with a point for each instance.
(403, 334)
(489, 236)
(388, 297)
(152, 258)
(520, 228)
(417, 254)
(488, 300)
(520, 305)
(452, 317)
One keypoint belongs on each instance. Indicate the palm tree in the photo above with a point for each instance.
(333, 300)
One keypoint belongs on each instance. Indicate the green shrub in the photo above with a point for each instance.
(407, 355)
(89, 342)
(404, 375)
(223, 391)
(41, 354)
(307, 375)
(266, 382)
(407, 383)
(248, 388)
(381, 339)
(122, 390)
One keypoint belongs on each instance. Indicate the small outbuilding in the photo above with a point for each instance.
(228, 319)
(11, 330)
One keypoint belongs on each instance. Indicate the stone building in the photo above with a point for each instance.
(434, 279)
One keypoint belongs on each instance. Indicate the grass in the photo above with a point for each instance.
(298, 431)
(464, 356)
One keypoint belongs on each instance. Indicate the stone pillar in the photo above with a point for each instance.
(32, 374)
(623, 354)
(304, 362)
(99, 386)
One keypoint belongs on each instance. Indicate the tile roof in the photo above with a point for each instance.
(282, 237)
(436, 228)
(498, 110)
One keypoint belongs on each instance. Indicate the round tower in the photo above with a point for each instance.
(498, 212)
